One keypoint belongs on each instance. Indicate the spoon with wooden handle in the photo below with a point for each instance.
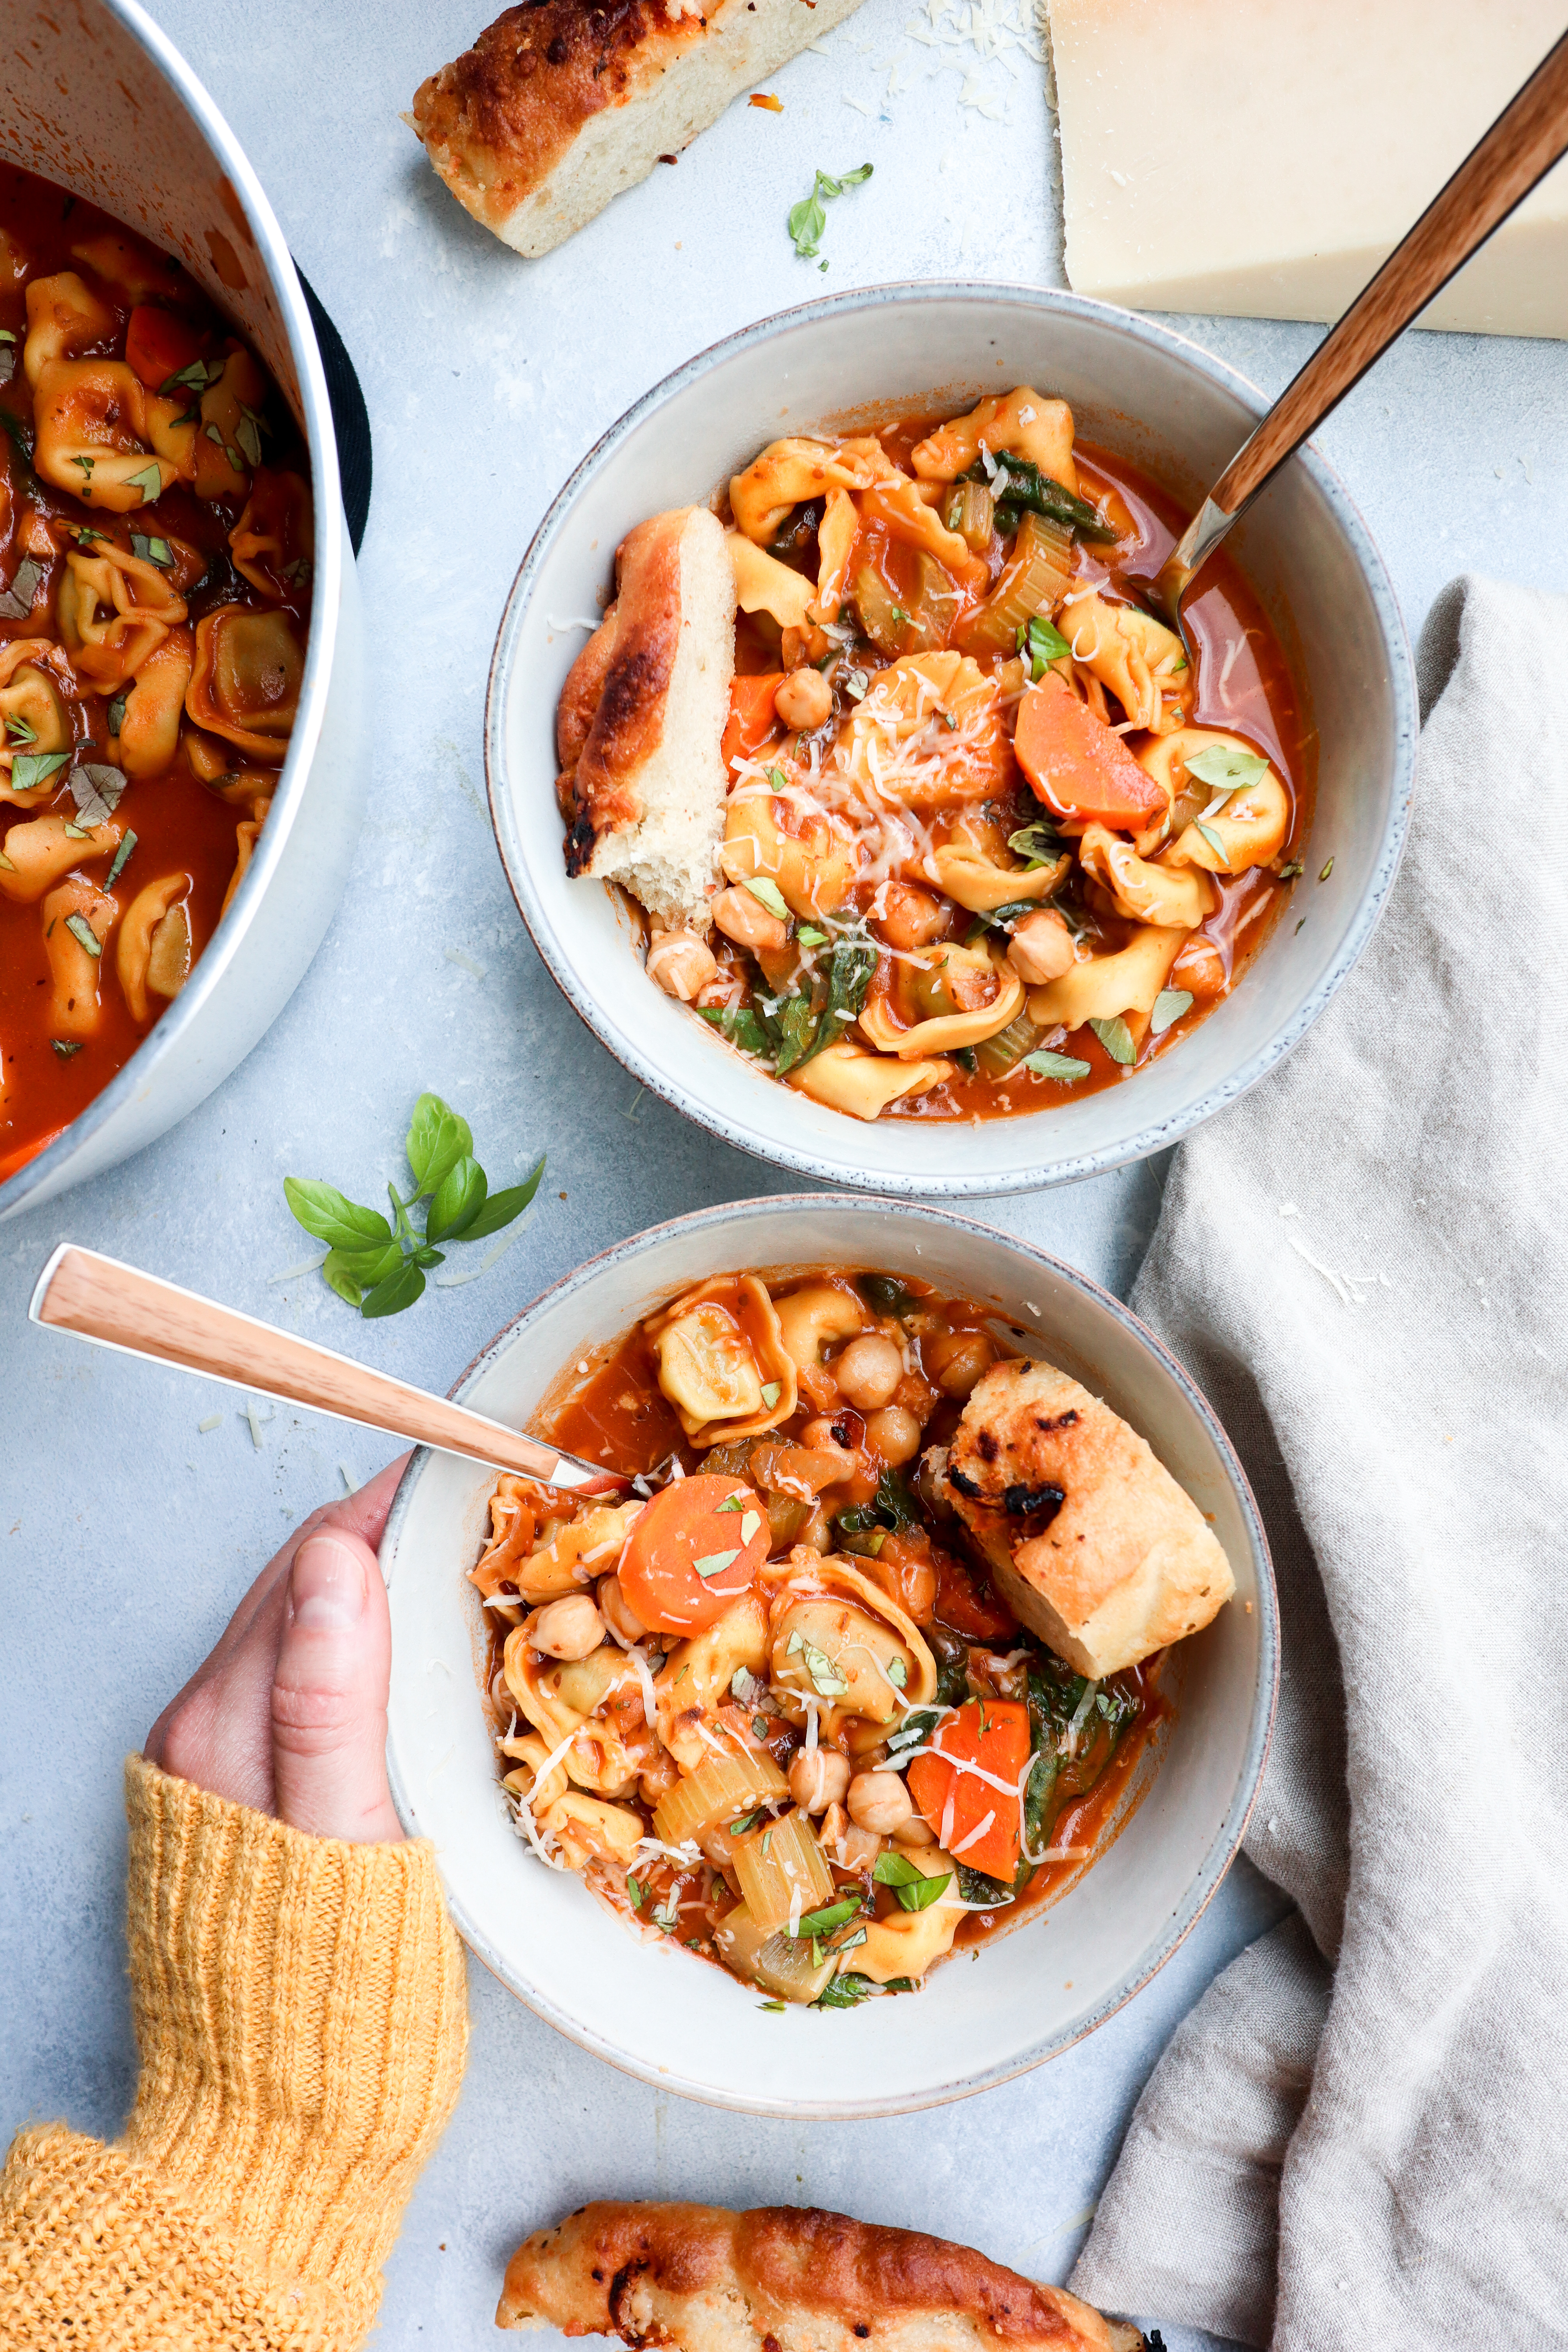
(117, 1305)
(1529, 136)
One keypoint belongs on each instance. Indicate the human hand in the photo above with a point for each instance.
(289, 1714)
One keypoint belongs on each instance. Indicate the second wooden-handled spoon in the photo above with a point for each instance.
(117, 1305)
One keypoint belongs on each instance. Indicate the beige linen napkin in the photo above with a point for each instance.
(1360, 2135)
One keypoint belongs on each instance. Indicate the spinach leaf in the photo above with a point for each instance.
(739, 1024)
(885, 1294)
(845, 1991)
(1027, 487)
(976, 1887)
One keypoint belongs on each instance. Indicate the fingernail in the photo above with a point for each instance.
(328, 1588)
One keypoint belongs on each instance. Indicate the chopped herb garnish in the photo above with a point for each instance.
(194, 378)
(767, 894)
(87, 464)
(1215, 843)
(248, 433)
(1065, 1066)
(1169, 1007)
(747, 1821)
(96, 790)
(915, 1890)
(635, 1892)
(66, 1047)
(899, 1674)
(775, 2007)
(1117, 1039)
(807, 937)
(715, 1563)
(845, 1991)
(777, 779)
(1225, 769)
(735, 1503)
(121, 856)
(1327, 871)
(17, 730)
(82, 930)
(150, 550)
(31, 769)
(1040, 844)
(770, 1393)
(117, 711)
(1040, 645)
(808, 220)
(823, 1923)
(827, 1680)
(739, 1024)
(149, 480)
(1290, 870)
(988, 1892)
(855, 681)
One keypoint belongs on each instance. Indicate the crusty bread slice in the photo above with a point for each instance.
(643, 709)
(558, 107)
(1089, 1539)
(708, 2280)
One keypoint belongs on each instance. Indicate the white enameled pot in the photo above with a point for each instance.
(95, 98)
(679, 2022)
(1135, 389)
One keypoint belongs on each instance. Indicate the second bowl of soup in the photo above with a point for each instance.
(857, 801)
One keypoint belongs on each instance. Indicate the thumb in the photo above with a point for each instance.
(329, 1694)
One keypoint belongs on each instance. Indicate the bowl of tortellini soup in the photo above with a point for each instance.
(857, 798)
(897, 1716)
(179, 776)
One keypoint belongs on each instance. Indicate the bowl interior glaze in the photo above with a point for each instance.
(683, 2024)
(1136, 389)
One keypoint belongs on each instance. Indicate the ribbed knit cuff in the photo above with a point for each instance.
(300, 2008)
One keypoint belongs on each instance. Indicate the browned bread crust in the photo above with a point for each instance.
(713, 2281)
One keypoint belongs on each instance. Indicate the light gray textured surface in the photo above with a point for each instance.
(126, 1535)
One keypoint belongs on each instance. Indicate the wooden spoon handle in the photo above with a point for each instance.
(99, 1298)
(1521, 146)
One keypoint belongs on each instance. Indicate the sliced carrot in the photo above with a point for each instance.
(995, 1734)
(158, 344)
(752, 718)
(1077, 765)
(693, 1551)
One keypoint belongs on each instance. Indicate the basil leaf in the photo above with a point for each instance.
(120, 856)
(117, 711)
(325, 1213)
(149, 480)
(17, 730)
(797, 1030)
(194, 378)
(63, 1046)
(400, 1289)
(822, 1922)
(767, 894)
(976, 1887)
(459, 1198)
(500, 1208)
(152, 550)
(1065, 1066)
(1215, 843)
(893, 1869)
(739, 1024)
(849, 978)
(430, 1257)
(895, 1504)
(248, 433)
(921, 1896)
(845, 1991)
(96, 790)
(886, 1294)
(17, 599)
(1224, 768)
(1169, 1007)
(807, 222)
(1040, 844)
(82, 930)
(438, 1139)
(1117, 1039)
(31, 769)
(854, 179)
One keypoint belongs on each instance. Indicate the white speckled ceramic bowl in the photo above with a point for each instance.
(677, 2021)
(1136, 389)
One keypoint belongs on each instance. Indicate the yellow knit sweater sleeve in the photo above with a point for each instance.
(300, 2010)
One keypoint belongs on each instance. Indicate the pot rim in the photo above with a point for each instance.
(46, 1168)
(925, 1183)
(1265, 1697)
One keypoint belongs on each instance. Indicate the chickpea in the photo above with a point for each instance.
(915, 1832)
(879, 1801)
(681, 963)
(869, 1370)
(818, 1777)
(910, 917)
(1041, 947)
(572, 1628)
(620, 1618)
(894, 1434)
(823, 1434)
(746, 919)
(804, 700)
(956, 1360)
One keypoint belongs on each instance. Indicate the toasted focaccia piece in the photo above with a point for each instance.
(1089, 1539)
(784, 2276)
(559, 106)
(641, 719)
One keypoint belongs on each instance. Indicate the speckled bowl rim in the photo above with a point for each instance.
(725, 1217)
(928, 1184)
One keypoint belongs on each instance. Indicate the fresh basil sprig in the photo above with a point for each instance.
(808, 220)
(380, 1267)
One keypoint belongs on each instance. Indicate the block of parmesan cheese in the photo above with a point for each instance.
(1262, 158)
